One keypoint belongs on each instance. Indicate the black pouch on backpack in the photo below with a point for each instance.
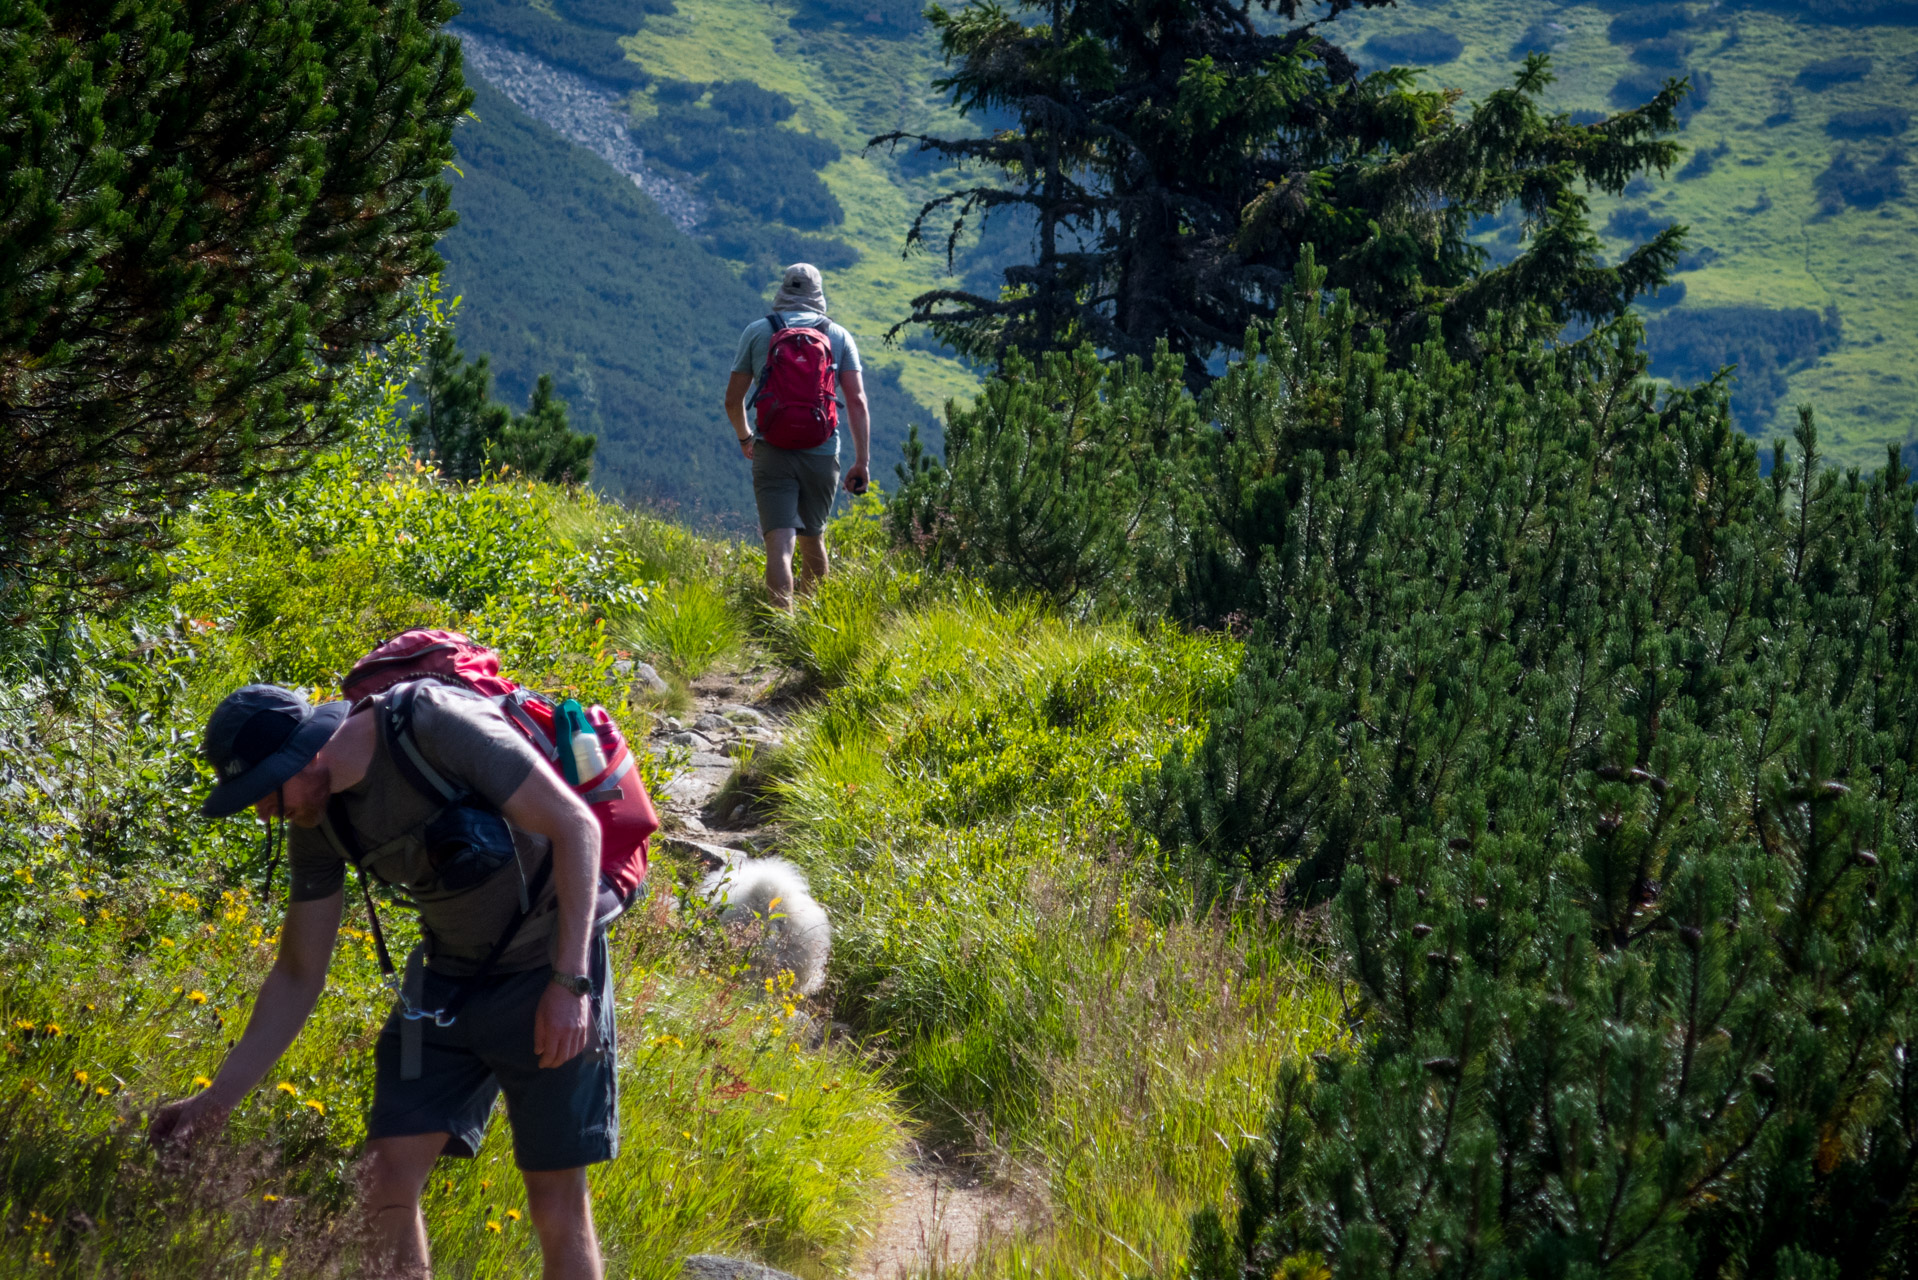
(465, 844)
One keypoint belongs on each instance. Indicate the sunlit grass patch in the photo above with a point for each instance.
(687, 628)
(734, 1136)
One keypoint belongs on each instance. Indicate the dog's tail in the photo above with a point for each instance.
(796, 937)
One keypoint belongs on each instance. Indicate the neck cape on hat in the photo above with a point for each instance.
(801, 289)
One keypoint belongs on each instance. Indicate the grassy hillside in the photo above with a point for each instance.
(1025, 986)
(1774, 241)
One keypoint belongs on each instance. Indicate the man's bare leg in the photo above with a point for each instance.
(813, 563)
(562, 1213)
(779, 567)
(392, 1173)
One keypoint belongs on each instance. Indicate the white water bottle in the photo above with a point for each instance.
(588, 759)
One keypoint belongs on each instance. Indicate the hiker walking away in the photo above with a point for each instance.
(509, 873)
(792, 361)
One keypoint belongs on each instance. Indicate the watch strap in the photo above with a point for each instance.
(578, 984)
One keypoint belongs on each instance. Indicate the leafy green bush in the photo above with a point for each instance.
(1063, 480)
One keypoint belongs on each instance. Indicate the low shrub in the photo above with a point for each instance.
(1845, 181)
(1062, 480)
(1874, 122)
(1648, 22)
(1826, 72)
(1426, 47)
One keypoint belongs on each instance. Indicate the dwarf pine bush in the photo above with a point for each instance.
(1602, 742)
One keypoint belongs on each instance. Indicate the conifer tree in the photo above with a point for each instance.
(1175, 159)
(1603, 746)
(1065, 480)
(456, 422)
(209, 210)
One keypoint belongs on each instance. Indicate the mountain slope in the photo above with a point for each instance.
(563, 265)
(1802, 267)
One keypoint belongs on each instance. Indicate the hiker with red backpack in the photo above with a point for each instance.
(792, 361)
(517, 827)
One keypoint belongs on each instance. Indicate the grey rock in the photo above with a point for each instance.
(710, 1266)
(672, 722)
(711, 760)
(742, 715)
(645, 676)
(712, 856)
(713, 724)
(589, 114)
(687, 738)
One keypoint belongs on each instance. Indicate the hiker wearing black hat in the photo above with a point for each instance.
(534, 1007)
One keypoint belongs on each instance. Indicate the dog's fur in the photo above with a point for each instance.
(770, 895)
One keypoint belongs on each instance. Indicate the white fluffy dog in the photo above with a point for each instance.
(771, 894)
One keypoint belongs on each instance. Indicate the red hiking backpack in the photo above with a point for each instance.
(616, 795)
(794, 402)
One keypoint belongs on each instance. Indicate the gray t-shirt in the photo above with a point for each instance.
(472, 745)
(757, 341)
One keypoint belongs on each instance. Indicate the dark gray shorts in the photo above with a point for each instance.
(794, 490)
(562, 1118)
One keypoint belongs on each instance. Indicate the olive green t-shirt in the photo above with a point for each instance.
(472, 745)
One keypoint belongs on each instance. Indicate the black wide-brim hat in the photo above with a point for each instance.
(260, 736)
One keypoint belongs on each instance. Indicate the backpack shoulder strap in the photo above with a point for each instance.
(773, 321)
(338, 829)
(396, 723)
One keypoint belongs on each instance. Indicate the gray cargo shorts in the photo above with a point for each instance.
(794, 489)
(562, 1117)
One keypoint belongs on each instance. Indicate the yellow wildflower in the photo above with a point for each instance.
(100, 1089)
(53, 1029)
(166, 942)
(270, 1198)
(316, 1104)
(288, 1087)
(81, 1076)
(201, 1082)
(196, 997)
(780, 1096)
(512, 1215)
(491, 1225)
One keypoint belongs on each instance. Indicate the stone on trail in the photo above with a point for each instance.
(711, 723)
(645, 676)
(710, 1266)
(742, 715)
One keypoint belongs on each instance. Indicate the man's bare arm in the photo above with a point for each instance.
(545, 805)
(859, 419)
(285, 1001)
(736, 388)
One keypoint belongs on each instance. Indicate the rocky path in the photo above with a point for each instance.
(733, 714)
(937, 1215)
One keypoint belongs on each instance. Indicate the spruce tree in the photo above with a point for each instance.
(209, 211)
(1175, 159)
(456, 422)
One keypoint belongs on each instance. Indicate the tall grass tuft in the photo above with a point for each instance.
(687, 627)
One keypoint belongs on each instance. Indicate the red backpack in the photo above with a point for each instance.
(616, 795)
(795, 397)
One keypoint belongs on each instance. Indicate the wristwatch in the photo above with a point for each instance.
(578, 984)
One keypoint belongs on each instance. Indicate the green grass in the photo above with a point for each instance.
(733, 1137)
(1024, 981)
(1045, 995)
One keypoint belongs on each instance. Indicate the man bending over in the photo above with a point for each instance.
(537, 1023)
